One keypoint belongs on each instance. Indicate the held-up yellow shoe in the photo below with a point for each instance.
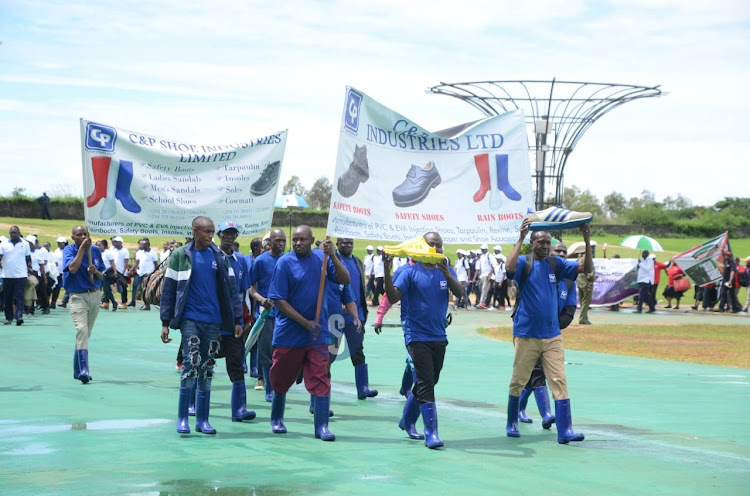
(416, 248)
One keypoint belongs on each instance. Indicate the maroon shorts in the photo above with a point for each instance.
(313, 360)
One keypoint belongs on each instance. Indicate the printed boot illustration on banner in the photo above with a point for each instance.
(358, 172)
(122, 191)
(100, 168)
(482, 163)
(503, 184)
(495, 201)
(110, 202)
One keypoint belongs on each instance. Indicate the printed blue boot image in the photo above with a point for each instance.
(503, 184)
(122, 191)
(239, 403)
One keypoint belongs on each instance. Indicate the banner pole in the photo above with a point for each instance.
(321, 287)
(91, 276)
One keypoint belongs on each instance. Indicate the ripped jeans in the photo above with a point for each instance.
(200, 344)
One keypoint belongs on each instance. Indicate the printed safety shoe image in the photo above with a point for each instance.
(358, 172)
(268, 179)
(557, 218)
(417, 185)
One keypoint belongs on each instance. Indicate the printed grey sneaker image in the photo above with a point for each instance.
(358, 172)
(267, 180)
(418, 183)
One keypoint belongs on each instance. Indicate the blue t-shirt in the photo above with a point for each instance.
(202, 302)
(537, 315)
(261, 273)
(296, 280)
(355, 286)
(567, 298)
(427, 292)
(80, 281)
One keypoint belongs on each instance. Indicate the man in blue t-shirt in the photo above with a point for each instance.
(538, 383)
(301, 340)
(536, 327)
(426, 287)
(260, 281)
(355, 334)
(82, 279)
(199, 297)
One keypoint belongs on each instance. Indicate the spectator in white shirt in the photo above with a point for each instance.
(378, 273)
(462, 274)
(146, 262)
(122, 256)
(15, 260)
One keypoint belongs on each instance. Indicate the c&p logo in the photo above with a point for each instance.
(351, 110)
(100, 138)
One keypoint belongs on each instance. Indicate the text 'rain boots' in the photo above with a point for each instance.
(429, 417)
(322, 404)
(410, 417)
(417, 185)
(239, 403)
(482, 163)
(511, 428)
(523, 401)
(183, 426)
(363, 382)
(278, 403)
(82, 359)
(202, 409)
(542, 402)
(565, 432)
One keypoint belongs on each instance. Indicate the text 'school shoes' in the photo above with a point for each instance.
(416, 248)
(268, 179)
(358, 172)
(417, 185)
(557, 218)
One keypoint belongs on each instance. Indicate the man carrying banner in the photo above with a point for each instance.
(83, 271)
(199, 297)
(299, 341)
(536, 326)
(425, 286)
(355, 334)
(260, 280)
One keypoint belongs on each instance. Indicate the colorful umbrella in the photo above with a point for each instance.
(291, 201)
(640, 242)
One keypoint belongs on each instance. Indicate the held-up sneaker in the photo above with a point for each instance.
(418, 183)
(557, 218)
(358, 172)
(267, 180)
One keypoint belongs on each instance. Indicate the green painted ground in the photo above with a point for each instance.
(652, 427)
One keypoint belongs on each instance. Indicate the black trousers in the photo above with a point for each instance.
(428, 357)
(232, 350)
(42, 299)
(265, 343)
(538, 379)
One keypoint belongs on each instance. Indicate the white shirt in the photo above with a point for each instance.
(57, 258)
(122, 256)
(38, 259)
(379, 268)
(164, 255)
(485, 266)
(645, 270)
(369, 264)
(14, 259)
(44, 252)
(108, 256)
(461, 268)
(147, 261)
(499, 271)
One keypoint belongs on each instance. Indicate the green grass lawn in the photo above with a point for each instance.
(49, 230)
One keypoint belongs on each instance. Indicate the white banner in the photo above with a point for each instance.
(138, 184)
(394, 180)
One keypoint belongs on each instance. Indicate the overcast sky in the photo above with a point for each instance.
(223, 71)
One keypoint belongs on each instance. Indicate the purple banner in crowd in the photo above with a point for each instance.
(615, 281)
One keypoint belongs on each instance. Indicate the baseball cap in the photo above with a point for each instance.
(61, 239)
(117, 238)
(380, 248)
(30, 238)
(369, 247)
(228, 224)
(484, 247)
(497, 248)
